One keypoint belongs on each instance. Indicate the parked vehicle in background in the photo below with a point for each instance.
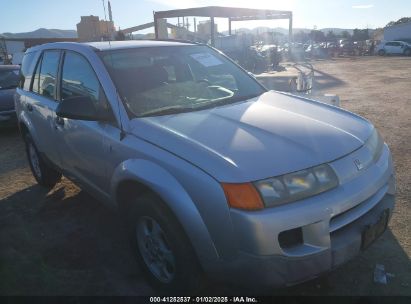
(213, 173)
(394, 48)
(9, 79)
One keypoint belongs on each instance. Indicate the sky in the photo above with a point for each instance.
(28, 15)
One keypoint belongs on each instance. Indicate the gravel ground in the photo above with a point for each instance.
(64, 242)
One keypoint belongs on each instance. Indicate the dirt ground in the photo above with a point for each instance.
(64, 242)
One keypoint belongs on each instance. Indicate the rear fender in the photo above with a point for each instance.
(25, 120)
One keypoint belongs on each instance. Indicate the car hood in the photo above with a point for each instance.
(267, 136)
(7, 99)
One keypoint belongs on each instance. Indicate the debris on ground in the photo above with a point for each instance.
(380, 276)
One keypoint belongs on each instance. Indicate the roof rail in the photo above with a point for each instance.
(177, 40)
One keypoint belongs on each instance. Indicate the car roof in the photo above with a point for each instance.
(9, 67)
(105, 45)
(111, 45)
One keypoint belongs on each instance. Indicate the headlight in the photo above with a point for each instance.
(295, 186)
(374, 144)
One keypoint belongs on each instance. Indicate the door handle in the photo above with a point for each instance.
(29, 107)
(59, 121)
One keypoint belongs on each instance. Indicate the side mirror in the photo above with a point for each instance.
(81, 108)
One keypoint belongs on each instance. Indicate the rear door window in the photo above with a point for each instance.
(46, 73)
(26, 71)
(35, 86)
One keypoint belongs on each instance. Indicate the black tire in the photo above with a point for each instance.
(187, 275)
(45, 175)
(407, 52)
(381, 52)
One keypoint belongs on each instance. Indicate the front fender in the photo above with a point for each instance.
(175, 196)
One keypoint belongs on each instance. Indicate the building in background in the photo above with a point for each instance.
(91, 28)
(204, 30)
(400, 32)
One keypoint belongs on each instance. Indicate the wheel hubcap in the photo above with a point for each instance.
(155, 250)
(34, 160)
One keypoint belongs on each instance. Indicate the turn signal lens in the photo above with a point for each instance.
(243, 196)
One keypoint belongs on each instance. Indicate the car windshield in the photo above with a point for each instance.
(9, 78)
(173, 79)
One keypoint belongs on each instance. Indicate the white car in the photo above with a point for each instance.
(394, 47)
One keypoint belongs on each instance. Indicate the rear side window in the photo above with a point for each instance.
(46, 73)
(26, 71)
(35, 88)
(79, 79)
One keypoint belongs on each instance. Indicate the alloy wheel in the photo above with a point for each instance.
(34, 160)
(155, 250)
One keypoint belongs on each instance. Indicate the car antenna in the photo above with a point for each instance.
(122, 132)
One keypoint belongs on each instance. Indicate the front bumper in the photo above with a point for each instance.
(278, 271)
(8, 118)
(330, 224)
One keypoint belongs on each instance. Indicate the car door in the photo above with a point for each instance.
(388, 48)
(83, 145)
(41, 103)
(401, 48)
(396, 48)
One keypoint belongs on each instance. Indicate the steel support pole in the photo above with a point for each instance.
(212, 32)
(155, 26)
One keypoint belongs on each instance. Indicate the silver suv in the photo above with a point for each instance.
(215, 175)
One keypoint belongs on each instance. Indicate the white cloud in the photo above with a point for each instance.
(363, 6)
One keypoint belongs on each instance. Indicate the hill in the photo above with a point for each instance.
(43, 33)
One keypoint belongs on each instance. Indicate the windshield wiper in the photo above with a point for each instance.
(227, 101)
(176, 109)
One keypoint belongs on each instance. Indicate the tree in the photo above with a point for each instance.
(399, 21)
(378, 34)
(331, 36)
(360, 35)
(317, 36)
(301, 36)
(345, 35)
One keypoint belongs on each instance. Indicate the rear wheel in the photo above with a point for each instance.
(381, 52)
(45, 175)
(161, 247)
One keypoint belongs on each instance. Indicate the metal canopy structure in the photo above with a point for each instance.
(143, 27)
(232, 13)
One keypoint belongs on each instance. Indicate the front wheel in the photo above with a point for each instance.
(162, 248)
(381, 52)
(45, 175)
(407, 52)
